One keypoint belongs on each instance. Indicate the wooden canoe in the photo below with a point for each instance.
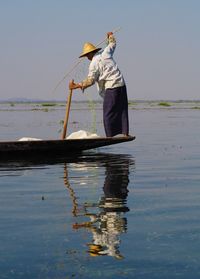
(56, 147)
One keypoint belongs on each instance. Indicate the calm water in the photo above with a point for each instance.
(125, 211)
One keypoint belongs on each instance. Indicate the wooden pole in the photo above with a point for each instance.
(67, 114)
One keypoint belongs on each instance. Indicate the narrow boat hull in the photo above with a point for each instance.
(56, 147)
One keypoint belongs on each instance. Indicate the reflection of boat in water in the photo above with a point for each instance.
(107, 219)
(16, 149)
(104, 217)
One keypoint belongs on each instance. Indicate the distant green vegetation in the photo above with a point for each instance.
(48, 104)
(195, 107)
(164, 104)
(45, 110)
(132, 103)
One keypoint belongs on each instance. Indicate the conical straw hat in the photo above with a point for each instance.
(87, 48)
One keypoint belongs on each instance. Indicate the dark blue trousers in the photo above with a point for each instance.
(115, 112)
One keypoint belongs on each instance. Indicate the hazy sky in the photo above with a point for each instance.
(158, 47)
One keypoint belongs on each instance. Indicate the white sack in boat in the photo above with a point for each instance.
(82, 135)
(28, 139)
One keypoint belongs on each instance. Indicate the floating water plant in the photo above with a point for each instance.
(195, 107)
(164, 104)
(132, 103)
(45, 110)
(48, 104)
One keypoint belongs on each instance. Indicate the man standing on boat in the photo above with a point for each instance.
(111, 86)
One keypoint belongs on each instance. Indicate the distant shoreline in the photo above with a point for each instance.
(50, 105)
(32, 101)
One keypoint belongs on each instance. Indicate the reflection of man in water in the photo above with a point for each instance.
(106, 237)
(109, 223)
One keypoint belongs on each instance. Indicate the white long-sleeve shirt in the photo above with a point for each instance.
(104, 70)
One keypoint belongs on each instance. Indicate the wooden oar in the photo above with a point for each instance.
(67, 114)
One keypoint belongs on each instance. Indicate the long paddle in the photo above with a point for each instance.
(67, 114)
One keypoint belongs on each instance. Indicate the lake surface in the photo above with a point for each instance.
(125, 211)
